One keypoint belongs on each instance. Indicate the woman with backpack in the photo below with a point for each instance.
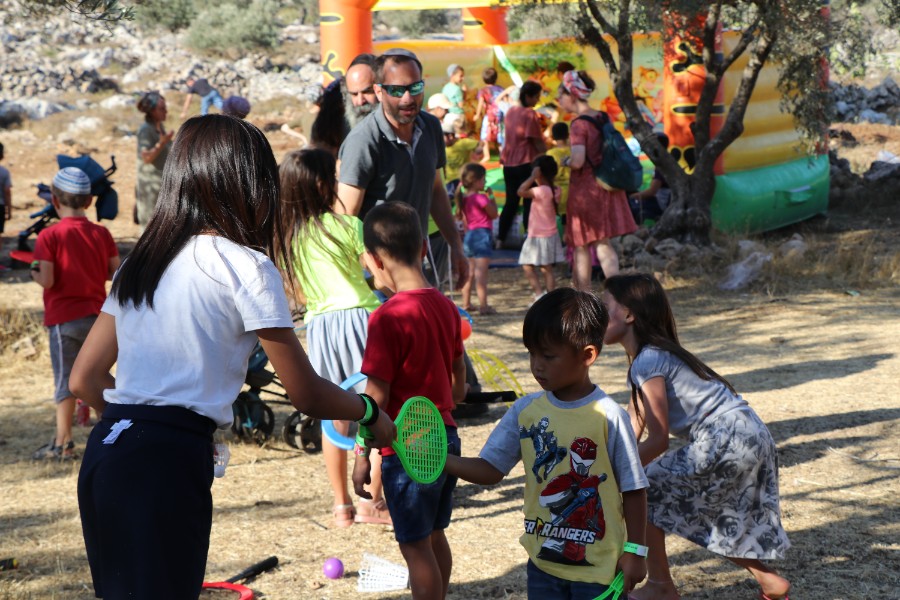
(594, 214)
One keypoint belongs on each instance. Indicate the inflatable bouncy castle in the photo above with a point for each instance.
(764, 180)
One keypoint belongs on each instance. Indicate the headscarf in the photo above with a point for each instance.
(575, 86)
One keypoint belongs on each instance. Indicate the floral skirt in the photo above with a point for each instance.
(721, 490)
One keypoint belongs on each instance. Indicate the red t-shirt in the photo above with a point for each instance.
(80, 253)
(523, 126)
(412, 342)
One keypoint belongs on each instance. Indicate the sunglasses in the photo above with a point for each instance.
(397, 91)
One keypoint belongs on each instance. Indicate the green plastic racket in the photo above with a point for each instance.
(615, 588)
(421, 443)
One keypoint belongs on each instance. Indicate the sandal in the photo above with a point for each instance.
(487, 310)
(373, 512)
(343, 515)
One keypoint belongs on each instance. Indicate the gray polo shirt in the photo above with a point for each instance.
(389, 169)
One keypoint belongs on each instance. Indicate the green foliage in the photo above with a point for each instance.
(167, 14)
(105, 11)
(416, 23)
(227, 27)
(539, 21)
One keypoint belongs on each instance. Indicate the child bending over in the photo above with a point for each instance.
(721, 489)
(414, 349)
(585, 504)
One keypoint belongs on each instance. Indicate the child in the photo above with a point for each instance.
(73, 259)
(542, 247)
(579, 453)
(327, 248)
(455, 90)
(5, 194)
(561, 153)
(414, 349)
(478, 209)
(650, 203)
(720, 490)
(185, 310)
(490, 111)
(460, 148)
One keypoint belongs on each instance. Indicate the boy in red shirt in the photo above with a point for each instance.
(414, 348)
(73, 260)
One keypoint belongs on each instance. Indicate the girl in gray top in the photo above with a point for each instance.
(720, 490)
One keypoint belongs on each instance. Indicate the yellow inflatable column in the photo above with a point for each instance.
(485, 26)
(345, 30)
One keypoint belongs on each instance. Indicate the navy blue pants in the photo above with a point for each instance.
(146, 504)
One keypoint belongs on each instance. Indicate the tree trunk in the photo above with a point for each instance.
(688, 218)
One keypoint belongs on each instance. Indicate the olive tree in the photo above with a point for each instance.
(795, 34)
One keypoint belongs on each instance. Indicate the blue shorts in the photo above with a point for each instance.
(478, 243)
(543, 585)
(417, 509)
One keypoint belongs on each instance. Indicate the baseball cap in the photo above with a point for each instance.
(438, 101)
(448, 125)
(452, 69)
(72, 180)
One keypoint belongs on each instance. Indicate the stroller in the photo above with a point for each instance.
(254, 420)
(107, 204)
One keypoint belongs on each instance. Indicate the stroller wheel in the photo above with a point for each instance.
(302, 432)
(253, 419)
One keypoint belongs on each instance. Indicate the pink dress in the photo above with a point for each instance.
(593, 213)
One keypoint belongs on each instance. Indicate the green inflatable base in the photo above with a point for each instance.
(764, 199)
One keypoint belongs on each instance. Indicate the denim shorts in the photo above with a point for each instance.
(478, 243)
(543, 585)
(418, 509)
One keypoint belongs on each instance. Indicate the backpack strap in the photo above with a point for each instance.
(599, 121)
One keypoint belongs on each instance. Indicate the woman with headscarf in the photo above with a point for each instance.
(594, 214)
(153, 150)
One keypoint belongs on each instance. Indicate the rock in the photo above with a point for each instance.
(668, 248)
(741, 274)
(631, 244)
(748, 247)
(882, 171)
(793, 249)
(118, 101)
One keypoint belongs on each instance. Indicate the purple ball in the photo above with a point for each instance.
(333, 568)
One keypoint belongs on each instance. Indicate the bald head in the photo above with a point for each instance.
(359, 86)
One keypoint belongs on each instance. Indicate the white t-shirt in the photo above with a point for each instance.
(191, 349)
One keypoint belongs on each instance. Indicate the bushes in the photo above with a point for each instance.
(229, 27)
(168, 14)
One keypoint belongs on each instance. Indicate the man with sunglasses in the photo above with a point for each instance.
(397, 153)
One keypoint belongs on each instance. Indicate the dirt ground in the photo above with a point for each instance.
(816, 358)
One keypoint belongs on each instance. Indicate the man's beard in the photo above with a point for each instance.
(355, 114)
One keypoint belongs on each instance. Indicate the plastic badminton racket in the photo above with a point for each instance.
(615, 588)
(231, 589)
(421, 443)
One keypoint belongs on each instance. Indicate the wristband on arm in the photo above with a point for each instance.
(371, 414)
(636, 549)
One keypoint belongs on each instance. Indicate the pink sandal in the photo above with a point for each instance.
(373, 512)
(343, 515)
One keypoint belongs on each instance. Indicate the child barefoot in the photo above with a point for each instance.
(479, 209)
(720, 490)
(542, 247)
(585, 504)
